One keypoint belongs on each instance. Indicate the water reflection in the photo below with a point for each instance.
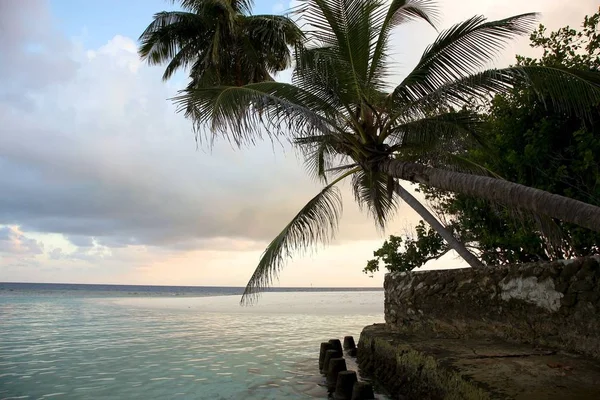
(179, 347)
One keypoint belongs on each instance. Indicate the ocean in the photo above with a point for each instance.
(158, 342)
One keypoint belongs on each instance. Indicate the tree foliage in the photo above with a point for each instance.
(567, 46)
(219, 42)
(401, 254)
(529, 141)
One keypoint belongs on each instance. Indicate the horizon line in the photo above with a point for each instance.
(205, 286)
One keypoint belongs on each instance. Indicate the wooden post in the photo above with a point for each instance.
(337, 345)
(336, 365)
(329, 354)
(349, 343)
(362, 391)
(345, 385)
(324, 347)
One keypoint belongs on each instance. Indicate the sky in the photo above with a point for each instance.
(101, 180)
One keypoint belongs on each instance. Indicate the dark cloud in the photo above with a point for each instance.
(102, 157)
(129, 211)
(5, 233)
(81, 241)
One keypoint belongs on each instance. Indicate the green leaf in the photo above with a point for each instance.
(316, 223)
(399, 11)
(442, 130)
(375, 192)
(460, 51)
(240, 113)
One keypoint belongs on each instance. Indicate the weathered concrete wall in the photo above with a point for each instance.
(418, 367)
(553, 304)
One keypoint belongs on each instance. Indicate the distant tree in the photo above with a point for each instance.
(568, 47)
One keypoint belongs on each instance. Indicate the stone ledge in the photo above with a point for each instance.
(424, 367)
(549, 304)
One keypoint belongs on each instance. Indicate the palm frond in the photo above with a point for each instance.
(239, 113)
(225, 45)
(374, 191)
(460, 51)
(318, 159)
(455, 162)
(321, 71)
(569, 90)
(316, 223)
(342, 168)
(229, 7)
(399, 11)
(347, 29)
(323, 152)
(168, 33)
(187, 54)
(317, 153)
(456, 94)
(441, 129)
(272, 36)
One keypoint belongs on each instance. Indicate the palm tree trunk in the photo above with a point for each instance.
(424, 213)
(500, 191)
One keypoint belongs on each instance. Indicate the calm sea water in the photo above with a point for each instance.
(134, 342)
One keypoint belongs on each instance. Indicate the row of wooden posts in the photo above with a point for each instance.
(342, 383)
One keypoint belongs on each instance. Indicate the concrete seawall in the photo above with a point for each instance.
(525, 331)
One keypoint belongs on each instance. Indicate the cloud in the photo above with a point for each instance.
(100, 153)
(81, 241)
(34, 55)
(14, 242)
(92, 150)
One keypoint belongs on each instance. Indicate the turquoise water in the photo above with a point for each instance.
(129, 347)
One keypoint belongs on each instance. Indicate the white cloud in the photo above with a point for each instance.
(15, 243)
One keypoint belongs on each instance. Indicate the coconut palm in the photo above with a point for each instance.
(227, 68)
(220, 42)
(342, 112)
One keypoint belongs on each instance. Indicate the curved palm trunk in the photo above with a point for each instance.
(424, 213)
(500, 191)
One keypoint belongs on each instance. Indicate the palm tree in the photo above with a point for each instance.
(220, 42)
(181, 38)
(350, 123)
